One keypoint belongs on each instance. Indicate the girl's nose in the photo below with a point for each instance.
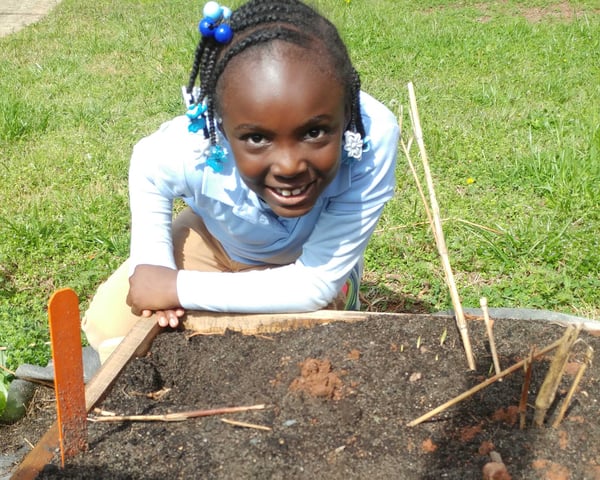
(288, 162)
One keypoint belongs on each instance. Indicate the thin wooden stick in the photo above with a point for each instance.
(528, 367)
(490, 333)
(104, 413)
(235, 423)
(10, 372)
(481, 386)
(37, 381)
(547, 392)
(175, 417)
(45, 383)
(406, 149)
(411, 165)
(589, 354)
(166, 417)
(438, 231)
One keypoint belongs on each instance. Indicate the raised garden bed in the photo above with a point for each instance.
(338, 399)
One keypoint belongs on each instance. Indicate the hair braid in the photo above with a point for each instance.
(356, 117)
(210, 60)
(196, 67)
(259, 22)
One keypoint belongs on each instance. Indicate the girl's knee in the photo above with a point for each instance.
(108, 315)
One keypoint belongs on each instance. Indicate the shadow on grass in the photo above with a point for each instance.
(375, 297)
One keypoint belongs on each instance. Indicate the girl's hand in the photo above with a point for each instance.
(166, 318)
(153, 289)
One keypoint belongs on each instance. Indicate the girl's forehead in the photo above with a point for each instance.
(279, 86)
(276, 56)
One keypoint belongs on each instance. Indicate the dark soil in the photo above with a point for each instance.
(338, 400)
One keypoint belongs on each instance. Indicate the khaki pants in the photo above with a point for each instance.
(109, 318)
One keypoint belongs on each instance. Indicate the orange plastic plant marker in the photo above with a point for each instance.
(65, 337)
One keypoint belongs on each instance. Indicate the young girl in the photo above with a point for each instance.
(285, 167)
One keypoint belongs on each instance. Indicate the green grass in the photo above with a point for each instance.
(508, 95)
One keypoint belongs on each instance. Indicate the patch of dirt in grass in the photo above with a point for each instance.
(338, 399)
(561, 11)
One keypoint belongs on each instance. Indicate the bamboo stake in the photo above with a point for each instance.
(528, 367)
(438, 231)
(490, 333)
(548, 389)
(589, 354)
(481, 386)
(175, 417)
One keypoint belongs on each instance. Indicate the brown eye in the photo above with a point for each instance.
(255, 139)
(315, 133)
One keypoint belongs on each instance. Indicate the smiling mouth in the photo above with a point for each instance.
(286, 192)
(291, 202)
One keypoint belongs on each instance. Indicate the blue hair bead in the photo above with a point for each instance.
(215, 23)
(206, 27)
(223, 33)
(212, 10)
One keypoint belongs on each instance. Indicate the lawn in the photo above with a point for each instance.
(509, 99)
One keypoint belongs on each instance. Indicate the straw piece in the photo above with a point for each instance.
(236, 423)
(406, 150)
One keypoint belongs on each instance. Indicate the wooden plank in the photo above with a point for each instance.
(258, 323)
(65, 337)
(136, 342)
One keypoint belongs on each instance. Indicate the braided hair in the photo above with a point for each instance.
(260, 22)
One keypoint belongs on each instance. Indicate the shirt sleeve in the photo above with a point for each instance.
(336, 244)
(152, 189)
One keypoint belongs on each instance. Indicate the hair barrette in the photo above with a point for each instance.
(216, 156)
(353, 144)
(197, 115)
(215, 23)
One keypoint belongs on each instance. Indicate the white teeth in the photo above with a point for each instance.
(289, 193)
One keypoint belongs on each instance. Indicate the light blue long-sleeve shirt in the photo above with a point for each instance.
(316, 251)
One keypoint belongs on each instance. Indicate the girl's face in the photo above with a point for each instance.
(284, 118)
